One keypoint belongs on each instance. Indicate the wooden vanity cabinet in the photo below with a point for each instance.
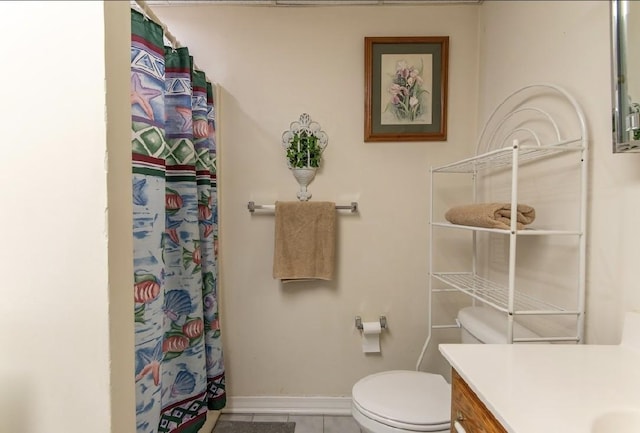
(469, 411)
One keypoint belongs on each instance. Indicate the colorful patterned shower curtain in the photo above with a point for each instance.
(179, 363)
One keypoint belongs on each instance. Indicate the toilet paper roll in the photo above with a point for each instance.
(371, 337)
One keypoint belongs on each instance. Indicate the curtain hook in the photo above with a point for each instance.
(145, 13)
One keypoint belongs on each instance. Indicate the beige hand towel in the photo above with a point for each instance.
(305, 241)
(490, 215)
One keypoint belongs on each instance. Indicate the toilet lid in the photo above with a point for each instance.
(411, 400)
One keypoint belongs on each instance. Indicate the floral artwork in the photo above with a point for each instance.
(408, 100)
(406, 90)
(406, 82)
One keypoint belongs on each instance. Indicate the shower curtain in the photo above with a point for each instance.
(179, 369)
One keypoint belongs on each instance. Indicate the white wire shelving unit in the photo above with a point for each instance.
(522, 129)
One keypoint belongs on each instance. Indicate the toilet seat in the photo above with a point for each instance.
(406, 400)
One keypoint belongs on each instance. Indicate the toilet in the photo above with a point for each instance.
(402, 401)
(405, 401)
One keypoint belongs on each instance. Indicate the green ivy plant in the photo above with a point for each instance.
(304, 150)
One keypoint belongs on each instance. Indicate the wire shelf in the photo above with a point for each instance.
(496, 295)
(504, 157)
(531, 125)
(523, 232)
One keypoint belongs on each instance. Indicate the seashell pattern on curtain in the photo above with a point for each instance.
(179, 367)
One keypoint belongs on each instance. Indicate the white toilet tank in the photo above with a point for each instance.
(480, 325)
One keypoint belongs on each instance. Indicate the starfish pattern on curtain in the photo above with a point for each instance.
(179, 362)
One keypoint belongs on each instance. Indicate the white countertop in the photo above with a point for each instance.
(536, 388)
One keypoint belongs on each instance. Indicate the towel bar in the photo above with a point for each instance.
(353, 207)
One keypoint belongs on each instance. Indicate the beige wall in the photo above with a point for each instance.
(270, 331)
(66, 241)
(54, 313)
(568, 43)
(273, 64)
(55, 307)
(120, 209)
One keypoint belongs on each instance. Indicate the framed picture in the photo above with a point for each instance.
(405, 88)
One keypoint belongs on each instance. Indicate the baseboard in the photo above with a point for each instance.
(289, 405)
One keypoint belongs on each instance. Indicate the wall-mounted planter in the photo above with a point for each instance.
(304, 143)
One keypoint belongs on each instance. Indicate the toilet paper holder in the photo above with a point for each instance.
(383, 322)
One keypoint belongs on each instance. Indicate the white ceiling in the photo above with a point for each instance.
(310, 2)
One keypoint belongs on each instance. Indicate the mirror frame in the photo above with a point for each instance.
(623, 140)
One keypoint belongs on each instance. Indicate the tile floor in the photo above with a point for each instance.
(304, 423)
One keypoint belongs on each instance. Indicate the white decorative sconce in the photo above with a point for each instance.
(304, 143)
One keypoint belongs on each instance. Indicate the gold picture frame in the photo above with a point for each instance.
(406, 88)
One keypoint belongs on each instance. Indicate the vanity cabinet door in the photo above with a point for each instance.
(469, 411)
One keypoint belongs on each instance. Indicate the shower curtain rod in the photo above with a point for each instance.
(167, 34)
